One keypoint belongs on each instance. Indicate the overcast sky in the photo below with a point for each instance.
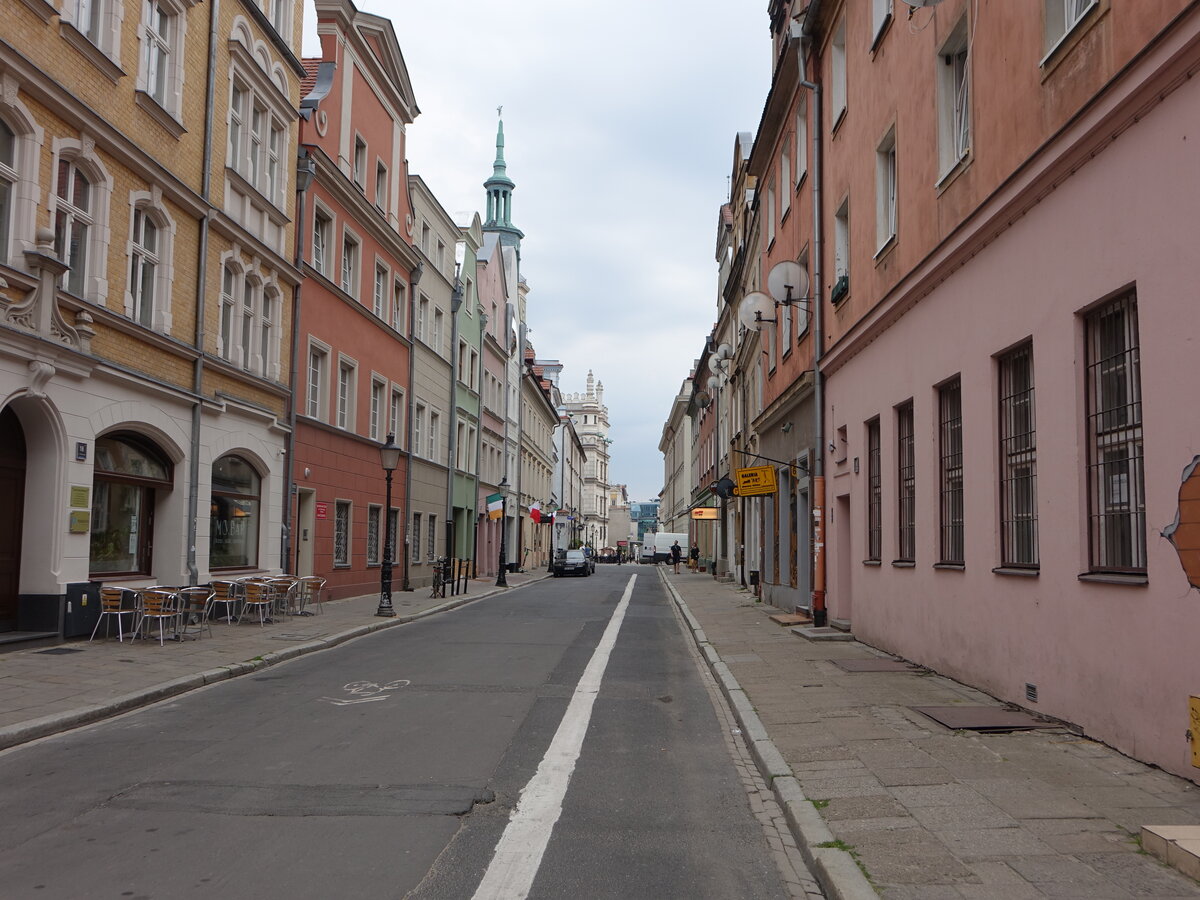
(619, 123)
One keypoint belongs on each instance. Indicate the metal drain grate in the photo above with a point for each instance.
(59, 650)
(876, 665)
(983, 718)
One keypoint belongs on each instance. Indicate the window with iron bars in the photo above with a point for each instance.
(1116, 490)
(373, 513)
(874, 494)
(906, 471)
(341, 533)
(950, 458)
(1018, 460)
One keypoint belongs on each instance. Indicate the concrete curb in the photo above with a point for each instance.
(835, 869)
(46, 726)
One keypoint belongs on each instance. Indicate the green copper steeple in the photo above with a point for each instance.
(499, 196)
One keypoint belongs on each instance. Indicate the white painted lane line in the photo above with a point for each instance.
(519, 853)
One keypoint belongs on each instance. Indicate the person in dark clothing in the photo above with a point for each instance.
(676, 556)
(694, 558)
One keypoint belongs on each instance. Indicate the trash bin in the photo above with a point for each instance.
(754, 578)
(81, 609)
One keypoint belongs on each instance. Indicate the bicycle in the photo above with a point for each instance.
(439, 577)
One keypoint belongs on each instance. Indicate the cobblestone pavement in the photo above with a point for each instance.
(931, 813)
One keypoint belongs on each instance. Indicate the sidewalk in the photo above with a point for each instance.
(47, 691)
(929, 812)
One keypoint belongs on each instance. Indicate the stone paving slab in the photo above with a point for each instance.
(931, 813)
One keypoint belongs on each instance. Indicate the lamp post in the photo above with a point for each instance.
(501, 581)
(389, 458)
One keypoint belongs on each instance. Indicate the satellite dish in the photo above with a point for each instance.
(713, 382)
(714, 364)
(788, 279)
(756, 310)
(724, 351)
(703, 399)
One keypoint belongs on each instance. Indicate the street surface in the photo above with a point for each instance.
(391, 767)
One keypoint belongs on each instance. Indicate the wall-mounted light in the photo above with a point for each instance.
(786, 428)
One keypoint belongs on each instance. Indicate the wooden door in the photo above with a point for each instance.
(12, 502)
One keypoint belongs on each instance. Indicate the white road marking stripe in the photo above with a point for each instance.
(519, 853)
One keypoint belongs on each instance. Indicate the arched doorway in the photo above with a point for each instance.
(12, 502)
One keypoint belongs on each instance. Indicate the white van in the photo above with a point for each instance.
(662, 545)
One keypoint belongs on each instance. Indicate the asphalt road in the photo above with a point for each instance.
(391, 766)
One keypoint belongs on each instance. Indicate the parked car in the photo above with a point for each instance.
(607, 555)
(573, 562)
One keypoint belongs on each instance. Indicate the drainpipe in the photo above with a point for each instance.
(483, 319)
(414, 279)
(819, 612)
(305, 172)
(456, 299)
(201, 287)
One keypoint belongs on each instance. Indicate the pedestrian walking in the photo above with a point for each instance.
(676, 556)
(694, 557)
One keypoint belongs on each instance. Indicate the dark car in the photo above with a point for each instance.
(573, 562)
(606, 555)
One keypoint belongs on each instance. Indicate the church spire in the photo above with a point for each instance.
(499, 194)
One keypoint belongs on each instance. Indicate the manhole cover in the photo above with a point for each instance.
(58, 651)
(983, 718)
(876, 665)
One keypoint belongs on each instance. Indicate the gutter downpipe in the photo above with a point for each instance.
(305, 170)
(414, 279)
(819, 613)
(201, 286)
(456, 300)
(478, 441)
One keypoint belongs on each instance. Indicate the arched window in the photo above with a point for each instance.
(72, 223)
(143, 266)
(233, 538)
(129, 470)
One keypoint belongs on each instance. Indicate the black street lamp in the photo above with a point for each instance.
(501, 581)
(389, 458)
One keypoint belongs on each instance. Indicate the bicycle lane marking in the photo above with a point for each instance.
(519, 853)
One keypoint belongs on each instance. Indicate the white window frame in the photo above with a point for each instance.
(399, 305)
(350, 274)
(379, 294)
(98, 23)
(270, 305)
(381, 185)
(881, 16)
(321, 237)
(785, 178)
(88, 280)
(251, 298)
(317, 390)
(885, 190)
(801, 139)
(434, 432)
(953, 66)
(379, 386)
(359, 163)
(147, 207)
(438, 334)
(231, 283)
(347, 392)
(161, 70)
(419, 413)
(21, 174)
(396, 411)
(838, 87)
(1061, 18)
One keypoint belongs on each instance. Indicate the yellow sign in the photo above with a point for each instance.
(704, 512)
(80, 522)
(79, 497)
(754, 480)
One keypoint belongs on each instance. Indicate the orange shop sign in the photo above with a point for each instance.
(704, 512)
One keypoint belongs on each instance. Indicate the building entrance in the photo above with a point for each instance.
(12, 502)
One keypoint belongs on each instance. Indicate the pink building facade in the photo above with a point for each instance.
(1009, 367)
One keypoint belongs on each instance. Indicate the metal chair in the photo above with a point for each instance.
(160, 604)
(257, 595)
(308, 590)
(228, 594)
(286, 588)
(195, 607)
(116, 602)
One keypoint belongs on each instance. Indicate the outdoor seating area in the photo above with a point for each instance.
(187, 613)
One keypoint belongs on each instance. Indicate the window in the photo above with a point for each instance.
(379, 304)
(250, 292)
(906, 471)
(874, 494)
(1116, 490)
(345, 401)
(88, 14)
(950, 467)
(841, 253)
(801, 139)
(130, 472)
(415, 537)
(881, 15)
(396, 415)
(72, 224)
(373, 514)
(341, 533)
(377, 411)
(1061, 18)
(422, 318)
(381, 185)
(318, 360)
(275, 147)
(350, 266)
(425, 238)
(257, 142)
(885, 190)
(360, 163)
(8, 183)
(837, 97)
(431, 547)
(785, 178)
(418, 425)
(954, 96)
(160, 75)
(322, 228)
(440, 258)
(229, 282)
(266, 333)
(143, 267)
(399, 306)
(436, 339)
(279, 17)
(390, 548)
(771, 209)
(236, 491)
(1018, 460)
(435, 436)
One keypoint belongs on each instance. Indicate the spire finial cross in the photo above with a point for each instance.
(499, 111)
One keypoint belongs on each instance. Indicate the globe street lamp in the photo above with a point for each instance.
(389, 458)
(501, 581)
